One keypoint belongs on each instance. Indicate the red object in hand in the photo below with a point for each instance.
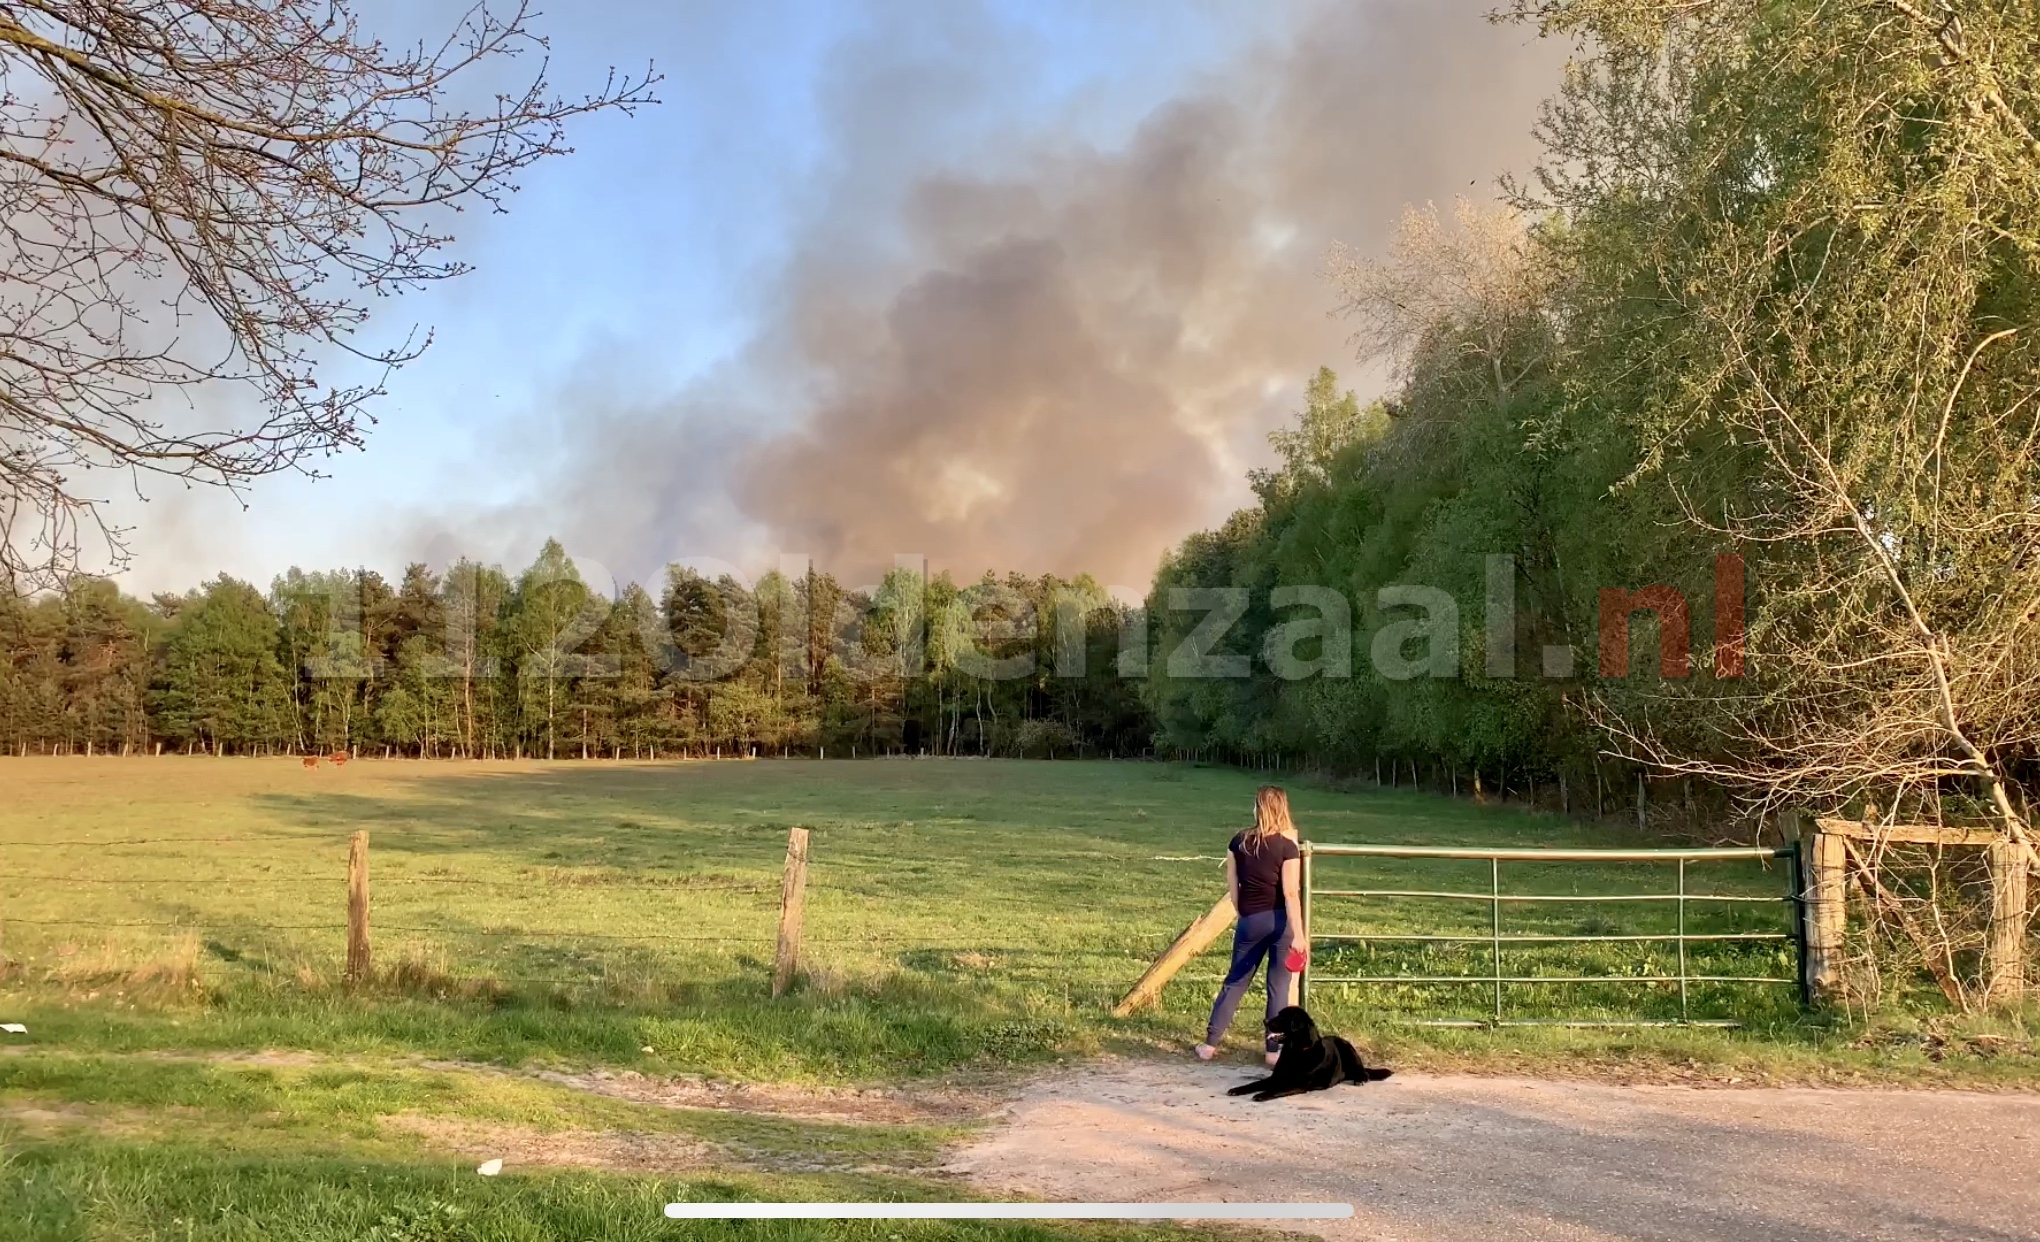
(1295, 960)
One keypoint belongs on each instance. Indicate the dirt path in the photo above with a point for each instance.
(1463, 1158)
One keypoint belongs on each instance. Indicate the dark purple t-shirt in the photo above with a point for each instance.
(1258, 867)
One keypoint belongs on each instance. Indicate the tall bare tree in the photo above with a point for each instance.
(204, 194)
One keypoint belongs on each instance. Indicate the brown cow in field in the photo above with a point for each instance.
(311, 761)
(338, 757)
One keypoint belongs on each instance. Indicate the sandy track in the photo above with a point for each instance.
(1464, 1158)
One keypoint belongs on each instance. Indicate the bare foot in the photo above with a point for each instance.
(1205, 1052)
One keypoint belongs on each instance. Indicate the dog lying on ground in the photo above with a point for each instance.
(1309, 1061)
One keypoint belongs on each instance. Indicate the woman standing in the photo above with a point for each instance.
(1262, 875)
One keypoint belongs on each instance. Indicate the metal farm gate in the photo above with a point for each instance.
(1498, 941)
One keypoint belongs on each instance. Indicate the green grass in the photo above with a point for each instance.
(352, 1099)
(960, 913)
(78, 1187)
(165, 921)
(138, 1147)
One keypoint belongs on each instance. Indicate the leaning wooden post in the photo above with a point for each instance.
(792, 903)
(358, 965)
(1195, 939)
(2005, 958)
(1825, 870)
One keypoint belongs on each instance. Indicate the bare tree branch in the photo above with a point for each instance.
(202, 195)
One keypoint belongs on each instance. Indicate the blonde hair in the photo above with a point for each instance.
(1271, 814)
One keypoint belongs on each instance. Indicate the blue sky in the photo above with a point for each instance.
(657, 295)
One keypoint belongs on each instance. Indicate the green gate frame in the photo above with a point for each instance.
(1794, 898)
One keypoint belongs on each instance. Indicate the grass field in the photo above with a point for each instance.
(175, 932)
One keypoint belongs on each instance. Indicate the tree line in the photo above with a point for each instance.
(478, 663)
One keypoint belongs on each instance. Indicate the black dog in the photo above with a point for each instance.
(1309, 1061)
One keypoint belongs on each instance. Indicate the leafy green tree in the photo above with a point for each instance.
(31, 677)
(106, 658)
(1801, 247)
(551, 614)
(221, 686)
(472, 600)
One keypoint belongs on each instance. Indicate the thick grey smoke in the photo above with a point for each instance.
(1055, 358)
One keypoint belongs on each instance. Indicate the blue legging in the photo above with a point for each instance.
(1265, 934)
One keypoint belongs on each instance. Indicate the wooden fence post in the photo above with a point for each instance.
(792, 903)
(1825, 870)
(2006, 957)
(1194, 940)
(358, 965)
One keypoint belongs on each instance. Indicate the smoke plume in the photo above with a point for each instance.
(1054, 357)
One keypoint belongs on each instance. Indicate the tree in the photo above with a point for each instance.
(1329, 422)
(257, 172)
(31, 675)
(639, 710)
(106, 666)
(334, 631)
(1803, 259)
(400, 720)
(221, 685)
(472, 602)
(551, 614)
(1476, 288)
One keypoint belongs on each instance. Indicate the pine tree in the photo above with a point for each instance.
(221, 685)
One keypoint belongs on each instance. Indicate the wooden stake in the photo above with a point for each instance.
(1826, 858)
(1195, 939)
(2005, 958)
(792, 904)
(359, 967)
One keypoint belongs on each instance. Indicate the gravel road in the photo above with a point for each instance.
(1465, 1158)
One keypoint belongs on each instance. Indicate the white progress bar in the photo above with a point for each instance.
(1009, 1211)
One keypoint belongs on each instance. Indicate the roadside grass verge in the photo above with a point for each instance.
(353, 1099)
(77, 1186)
